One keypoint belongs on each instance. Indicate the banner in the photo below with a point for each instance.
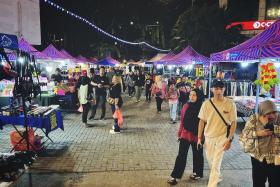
(8, 41)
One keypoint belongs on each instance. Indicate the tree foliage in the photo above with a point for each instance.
(203, 27)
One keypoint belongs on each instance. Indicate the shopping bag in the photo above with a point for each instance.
(80, 109)
(118, 115)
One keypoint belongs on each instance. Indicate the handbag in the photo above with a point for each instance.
(111, 100)
(226, 124)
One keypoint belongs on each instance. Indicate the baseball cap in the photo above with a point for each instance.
(218, 83)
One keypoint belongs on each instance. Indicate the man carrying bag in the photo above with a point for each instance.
(218, 118)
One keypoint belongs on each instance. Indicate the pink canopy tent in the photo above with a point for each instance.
(53, 53)
(188, 56)
(27, 47)
(82, 59)
(63, 51)
(164, 59)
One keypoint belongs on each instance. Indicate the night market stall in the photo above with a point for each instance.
(264, 48)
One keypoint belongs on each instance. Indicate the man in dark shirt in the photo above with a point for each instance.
(148, 86)
(139, 83)
(101, 83)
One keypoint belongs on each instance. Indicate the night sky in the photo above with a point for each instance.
(114, 16)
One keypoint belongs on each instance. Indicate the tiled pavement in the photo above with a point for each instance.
(142, 155)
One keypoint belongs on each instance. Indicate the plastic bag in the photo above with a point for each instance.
(80, 109)
(118, 115)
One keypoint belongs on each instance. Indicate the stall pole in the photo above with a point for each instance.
(258, 88)
(210, 75)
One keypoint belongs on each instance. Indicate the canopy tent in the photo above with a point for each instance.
(157, 57)
(53, 53)
(107, 62)
(264, 45)
(135, 63)
(165, 58)
(64, 52)
(82, 59)
(188, 56)
(27, 47)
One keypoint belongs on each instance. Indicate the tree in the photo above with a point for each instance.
(203, 27)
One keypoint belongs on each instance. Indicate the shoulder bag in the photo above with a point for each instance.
(226, 124)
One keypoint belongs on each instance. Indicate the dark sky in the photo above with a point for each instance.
(114, 16)
(110, 15)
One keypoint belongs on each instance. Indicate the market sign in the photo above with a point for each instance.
(199, 70)
(251, 25)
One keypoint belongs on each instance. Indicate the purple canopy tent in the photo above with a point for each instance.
(82, 59)
(27, 47)
(53, 53)
(64, 52)
(107, 62)
(188, 56)
(264, 45)
(163, 60)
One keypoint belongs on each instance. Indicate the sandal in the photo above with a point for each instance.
(172, 181)
(195, 177)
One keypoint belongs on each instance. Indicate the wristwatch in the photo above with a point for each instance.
(231, 139)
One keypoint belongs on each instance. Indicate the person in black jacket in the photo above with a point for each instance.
(139, 83)
(115, 94)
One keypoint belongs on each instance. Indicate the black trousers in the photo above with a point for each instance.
(102, 100)
(181, 160)
(148, 94)
(262, 171)
(86, 108)
(130, 90)
(159, 102)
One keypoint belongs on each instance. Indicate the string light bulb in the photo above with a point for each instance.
(101, 30)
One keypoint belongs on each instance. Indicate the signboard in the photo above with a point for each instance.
(8, 41)
(251, 25)
(199, 70)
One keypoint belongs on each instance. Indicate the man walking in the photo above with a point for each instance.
(101, 83)
(218, 134)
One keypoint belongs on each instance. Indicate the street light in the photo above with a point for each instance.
(131, 23)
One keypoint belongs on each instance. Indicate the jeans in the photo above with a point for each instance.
(102, 100)
(262, 171)
(116, 126)
(148, 94)
(173, 111)
(159, 102)
(130, 90)
(85, 112)
(181, 160)
(138, 92)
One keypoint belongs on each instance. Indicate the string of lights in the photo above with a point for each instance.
(101, 30)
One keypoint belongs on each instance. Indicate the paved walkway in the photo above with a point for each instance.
(142, 155)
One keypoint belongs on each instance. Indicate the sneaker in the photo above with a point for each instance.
(195, 177)
(114, 132)
(102, 119)
(172, 181)
(91, 117)
(158, 112)
(113, 127)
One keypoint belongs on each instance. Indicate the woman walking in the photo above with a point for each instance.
(115, 94)
(172, 96)
(187, 135)
(159, 91)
